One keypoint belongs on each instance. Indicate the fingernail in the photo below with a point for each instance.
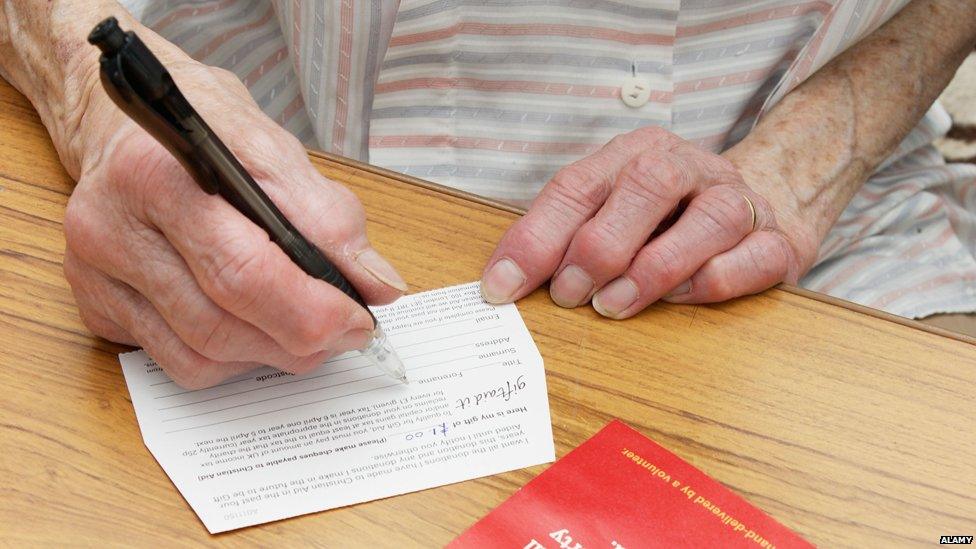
(571, 287)
(373, 262)
(502, 282)
(615, 297)
(678, 293)
(353, 340)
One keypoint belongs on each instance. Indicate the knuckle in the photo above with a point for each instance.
(602, 246)
(620, 141)
(238, 275)
(189, 370)
(534, 240)
(630, 142)
(262, 153)
(721, 213)
(212, 338)
(662, 261)
(347, 218)
(191, 377)
(309, 335)
(212, 78)
(95, 323)
(717, 288)
(652, 166)
(653, 176)
(265, 145)
(639, 198)
(654, 135)
(279, 163)
(580, 188)
(646, 137)
(79, 225)
(332, 216)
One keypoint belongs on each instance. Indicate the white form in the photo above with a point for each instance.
(270, 445)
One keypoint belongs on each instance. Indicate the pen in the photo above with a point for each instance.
(139, 84)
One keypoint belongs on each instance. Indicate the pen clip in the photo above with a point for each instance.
(162, 113)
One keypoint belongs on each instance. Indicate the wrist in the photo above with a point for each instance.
(44, 53)
(82, 115)
(804, 155)
(804, 204)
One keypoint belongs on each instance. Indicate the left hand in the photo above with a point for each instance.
(651, 216)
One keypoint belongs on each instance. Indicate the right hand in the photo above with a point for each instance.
(154, 261)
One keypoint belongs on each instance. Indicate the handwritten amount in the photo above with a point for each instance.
(504, 391)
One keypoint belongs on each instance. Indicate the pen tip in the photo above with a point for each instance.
(404, 380)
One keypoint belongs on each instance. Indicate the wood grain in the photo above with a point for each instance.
(850, 428)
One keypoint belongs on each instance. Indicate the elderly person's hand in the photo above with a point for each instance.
(652, 217)
(154, 261)
(648, 217)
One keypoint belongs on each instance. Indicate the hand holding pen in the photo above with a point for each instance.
(156, 262)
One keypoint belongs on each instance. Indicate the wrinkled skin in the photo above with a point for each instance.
(647, 217)
(156, 262)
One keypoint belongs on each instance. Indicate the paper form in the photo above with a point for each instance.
(270, 445)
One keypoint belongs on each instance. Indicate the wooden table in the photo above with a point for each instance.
(848, 426)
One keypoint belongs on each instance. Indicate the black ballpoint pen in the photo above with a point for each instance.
(139, 84)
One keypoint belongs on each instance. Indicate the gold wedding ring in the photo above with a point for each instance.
(752, 209)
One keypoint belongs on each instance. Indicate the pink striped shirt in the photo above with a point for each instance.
(494, 96)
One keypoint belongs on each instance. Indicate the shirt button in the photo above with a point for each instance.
(635, 92)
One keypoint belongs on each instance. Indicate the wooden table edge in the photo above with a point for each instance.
(456, 193)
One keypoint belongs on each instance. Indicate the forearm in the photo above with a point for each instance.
(826, 137)
(45, 54)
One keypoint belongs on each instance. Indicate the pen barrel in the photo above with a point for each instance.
(239, 189)
(316, 265)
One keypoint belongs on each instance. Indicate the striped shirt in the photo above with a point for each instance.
(495, 96)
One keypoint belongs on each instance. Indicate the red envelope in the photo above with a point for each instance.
(621, 490)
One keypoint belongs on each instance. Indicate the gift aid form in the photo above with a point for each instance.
(270, 445)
